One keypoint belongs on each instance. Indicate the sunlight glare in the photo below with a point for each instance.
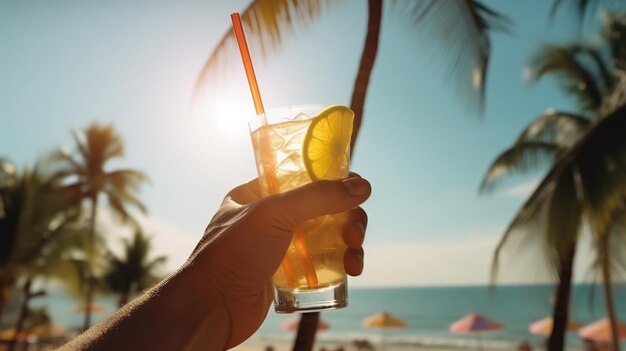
(231, 116)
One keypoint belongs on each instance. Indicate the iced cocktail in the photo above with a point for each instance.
(293, 147)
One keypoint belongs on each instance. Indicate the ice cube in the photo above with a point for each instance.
(301, 116)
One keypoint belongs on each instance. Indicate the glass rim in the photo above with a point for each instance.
(274, 114)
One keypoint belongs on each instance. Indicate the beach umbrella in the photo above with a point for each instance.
(474, 323)
(544, 326)
(294, 324)
(600, 330)
(49, 330)
(9, 333)
(383, 320)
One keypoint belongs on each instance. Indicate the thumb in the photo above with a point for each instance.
(316, 199)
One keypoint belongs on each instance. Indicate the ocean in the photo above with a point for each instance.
(428, 312)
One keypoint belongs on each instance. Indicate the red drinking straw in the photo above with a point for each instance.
(247, 64)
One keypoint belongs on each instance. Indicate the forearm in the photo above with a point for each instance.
(175, 315)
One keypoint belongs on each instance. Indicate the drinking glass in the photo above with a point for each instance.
(311, 276)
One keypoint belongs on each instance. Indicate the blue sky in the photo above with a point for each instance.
(67, 63)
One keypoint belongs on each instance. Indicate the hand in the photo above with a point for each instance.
(246, 240)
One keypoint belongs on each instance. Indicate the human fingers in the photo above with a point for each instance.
(353, 261)
(353, 231)
(314, 200)
(246, 193)
(353, 235)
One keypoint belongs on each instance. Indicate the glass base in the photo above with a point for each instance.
(311, 300)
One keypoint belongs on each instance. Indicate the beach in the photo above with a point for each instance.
(351, 345)
(427, 313)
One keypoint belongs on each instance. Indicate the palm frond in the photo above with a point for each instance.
(134, 270)
(524, 243)
(560, 128)
(7, 172)
(156, 262)
(576, 78)
(521, 157)
(119, 210)
(603, 67)
(583, 7)
(602, 167)
(531, 206)
(605, 140)
(614, 34)
(61, 164)
(266, 23)
(103, 144)
(615, 98)
(127, 179)
(461, 30)
(82, 144)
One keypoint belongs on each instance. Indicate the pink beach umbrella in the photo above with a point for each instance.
(544, 326)
(601, 331)
(473, 323)
(476, 324)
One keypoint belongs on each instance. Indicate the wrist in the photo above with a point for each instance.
(208, 314)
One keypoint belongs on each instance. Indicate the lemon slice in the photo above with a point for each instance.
(326, 146)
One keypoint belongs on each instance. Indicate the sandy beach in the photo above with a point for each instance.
(255, 344)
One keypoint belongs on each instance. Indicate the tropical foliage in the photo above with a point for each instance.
(84, 174)
(34, 238)
(586, 186)
(459, 28)
(134, 271)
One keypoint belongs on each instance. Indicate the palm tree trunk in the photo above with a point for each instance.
(370, 49)
(19, 325)
(90, 255)
(556, 341)
(608, 297)
(309, 321)
(6, 292)
(306, 331)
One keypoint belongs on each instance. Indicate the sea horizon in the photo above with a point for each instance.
(428, 311)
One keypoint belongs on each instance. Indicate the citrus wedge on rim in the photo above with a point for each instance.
(326, 146)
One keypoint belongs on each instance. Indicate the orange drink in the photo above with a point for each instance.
(296, 146)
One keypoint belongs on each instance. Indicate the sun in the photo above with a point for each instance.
(231, 116)
(227, 114)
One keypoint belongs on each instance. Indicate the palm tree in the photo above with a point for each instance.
(134, 271)
(567, 197)
(8, 218)
(85, 173)
(33, 231)
(464, 24)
